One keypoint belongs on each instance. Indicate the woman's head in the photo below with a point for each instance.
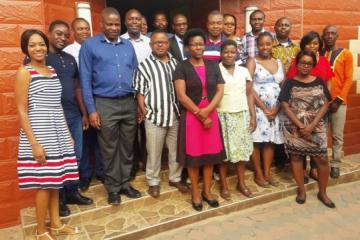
(228, 52)
(34, 44)
(229, 25)
(264, 44)
(305, 61)
(194, 41)
(311, 41)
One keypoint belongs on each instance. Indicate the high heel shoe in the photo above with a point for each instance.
(197, 206)
(213, 203)
(45, 234)
(62, 231)
(328, 204)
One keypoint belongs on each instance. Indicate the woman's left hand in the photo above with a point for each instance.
(203, 113)
(85, 122)
(207, 123)
(252, 125)
(306, 131)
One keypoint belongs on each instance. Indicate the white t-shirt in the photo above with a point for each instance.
(74, 50)
(141, 46)
(234, 99)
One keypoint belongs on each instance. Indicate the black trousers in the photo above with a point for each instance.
(116, 139)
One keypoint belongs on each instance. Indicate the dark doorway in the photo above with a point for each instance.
(195, 10)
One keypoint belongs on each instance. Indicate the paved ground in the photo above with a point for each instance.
(283, 219)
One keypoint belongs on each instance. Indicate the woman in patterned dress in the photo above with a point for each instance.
(46, 158)
(237, 117)
(267, 75)
(305, 100)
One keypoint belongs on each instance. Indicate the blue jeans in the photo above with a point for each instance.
(90, 148)
(75, 127)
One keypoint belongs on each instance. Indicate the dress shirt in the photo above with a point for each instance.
(285, 51)
(141, 46)
(106, 69)
(181, 46)
(74, 50)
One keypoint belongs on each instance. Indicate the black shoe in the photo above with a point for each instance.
(197, 206)
(329, 204)
(130, 192)
(299, 200)
(334, 172)
(114, 198)
(306, 179)
(78, 199)
(101, 179)
(64, 210)
(213, 203)
(84, 184)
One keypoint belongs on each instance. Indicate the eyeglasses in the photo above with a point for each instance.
(306, 64)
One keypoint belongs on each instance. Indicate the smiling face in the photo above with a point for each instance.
(265, 45)
(313, 45)
(228, 55)
(160, 21)
(36, 48)
(159, 44)
(196, 47)
(133, 22)
(229, 26)
(283, 28)
(305, 65)
(81, 31)
(59, 36)
(111, 27)
(257, 21)
(215, 25)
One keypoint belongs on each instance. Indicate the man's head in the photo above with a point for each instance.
(257, 19)
(215, 23)
(133, 21)
(58, 35)
(110, 23)
(282, 28)
(81, 29)
(160, 20)
(144, 25)
(180, 25)
(159, 43)
(330, 36)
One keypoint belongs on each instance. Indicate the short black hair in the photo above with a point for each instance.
(160, 12)
(78, 19)
(214, 13)
(230, 15)
(54, 23)
(159, 31)
(262, 35)
(193, 32)
(306, 39)
(25, 37)
(228, 42)
(257, 11)
(306, 53)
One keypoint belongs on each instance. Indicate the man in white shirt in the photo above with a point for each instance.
(81, 31)
(180, 26)
(140, 42)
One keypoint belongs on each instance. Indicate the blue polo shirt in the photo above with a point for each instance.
(106, 69)
(67, 71)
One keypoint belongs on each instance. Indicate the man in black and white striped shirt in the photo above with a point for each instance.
(158, 106)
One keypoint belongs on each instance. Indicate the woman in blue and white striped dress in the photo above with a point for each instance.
(46, 158)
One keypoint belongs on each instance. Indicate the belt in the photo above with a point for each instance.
(118, 97)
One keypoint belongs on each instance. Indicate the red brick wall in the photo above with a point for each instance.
(15, 17)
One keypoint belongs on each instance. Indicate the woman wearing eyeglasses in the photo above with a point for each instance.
(199, 88)
(305, 100)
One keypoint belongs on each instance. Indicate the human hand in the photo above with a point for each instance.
(95, 120)
(39, 153)
(207, 123)
(203, 114)
(334, 106)
(85, 122)
(252, 124)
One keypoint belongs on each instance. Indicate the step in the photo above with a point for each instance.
(140, 218)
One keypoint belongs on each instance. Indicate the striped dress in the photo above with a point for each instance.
(49, 127)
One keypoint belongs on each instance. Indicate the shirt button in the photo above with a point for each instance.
(119, 75)
(118, 65)
(116, 54)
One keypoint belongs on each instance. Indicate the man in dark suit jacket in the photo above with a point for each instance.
(180, 26)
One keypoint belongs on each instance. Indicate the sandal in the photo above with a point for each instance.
(245, 191)
(264, 184)
(45, 234)
(62, 230)
(273, 182)
(225, 194)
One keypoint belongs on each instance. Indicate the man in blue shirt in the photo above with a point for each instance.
(107, 66)
(74, 109)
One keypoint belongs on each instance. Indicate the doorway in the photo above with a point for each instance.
(195, 10)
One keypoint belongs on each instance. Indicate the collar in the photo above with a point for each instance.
(77, 45)
(140, 38)
(288, 43)
(153, 58)
(220, 42)
(104, 39)
(178, 39)
(223, 68)
(252, 35)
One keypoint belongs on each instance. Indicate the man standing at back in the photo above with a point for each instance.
(341, 62)
(107, 65)
(180, 26)
(160, 21)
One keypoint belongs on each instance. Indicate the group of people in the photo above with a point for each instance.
(211, 98)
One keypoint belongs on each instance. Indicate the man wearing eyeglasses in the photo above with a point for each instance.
(153, 83)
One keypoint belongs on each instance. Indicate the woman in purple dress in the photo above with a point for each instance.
(199, 88)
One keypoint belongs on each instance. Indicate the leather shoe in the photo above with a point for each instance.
(101, 179)
(300, 200)
(64, 210)
(334, 172)
(213, 203)
(114, 198)
(182, 187)
(130, 192)
(154, 191)
(84, 184)
(197, 206)
(78, 199)
(328, 204)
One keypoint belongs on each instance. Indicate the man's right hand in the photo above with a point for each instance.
(95, 120)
